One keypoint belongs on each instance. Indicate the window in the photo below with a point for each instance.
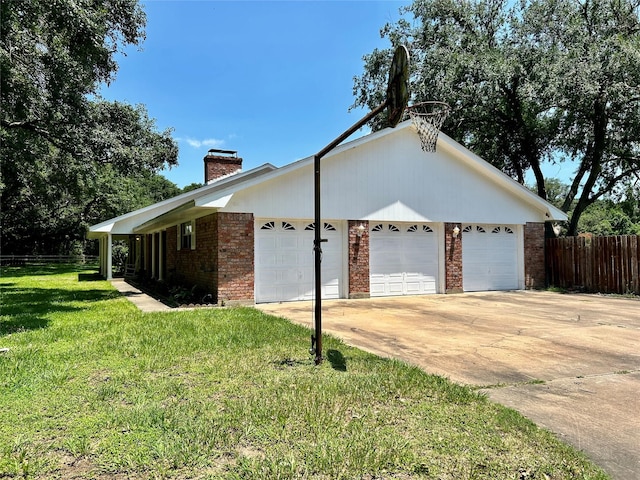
(417, 228)
(327, 227)
(268, 226)
(186, 236)
(381, 227)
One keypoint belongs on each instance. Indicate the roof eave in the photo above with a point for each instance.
(171, 204)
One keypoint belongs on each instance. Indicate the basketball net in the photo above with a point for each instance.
(428, 117)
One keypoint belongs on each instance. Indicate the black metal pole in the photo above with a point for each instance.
(316, 340)
(317, 249)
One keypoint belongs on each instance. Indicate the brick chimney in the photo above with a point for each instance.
(220, 163)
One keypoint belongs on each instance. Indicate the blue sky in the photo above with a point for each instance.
(270, 79)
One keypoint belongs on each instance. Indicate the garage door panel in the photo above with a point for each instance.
(376, 288)
(413, 288)
(266, 243)
(268, 260)
(489, 258)
(403, 259)
(285, 261)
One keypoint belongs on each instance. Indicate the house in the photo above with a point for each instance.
(397, 220)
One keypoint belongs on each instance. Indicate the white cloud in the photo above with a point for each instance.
(208, 142)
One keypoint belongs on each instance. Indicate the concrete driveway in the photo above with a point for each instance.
(570, 363)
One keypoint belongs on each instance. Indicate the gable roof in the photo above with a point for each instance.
(256, 189)
(129, 222)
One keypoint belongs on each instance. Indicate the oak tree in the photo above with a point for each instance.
(63, 149)
(529, 82)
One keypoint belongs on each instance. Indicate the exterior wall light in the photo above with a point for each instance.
(360, 230)
(456, 231)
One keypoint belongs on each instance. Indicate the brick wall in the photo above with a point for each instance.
(358, 260)
(222, 262)
(534, 267)
(452, 259)
(194, 267)
(235, 257)
(217, 166)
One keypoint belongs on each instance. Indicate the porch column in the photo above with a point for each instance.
(103, 265)
(101, 256)
(160, 257)
(153, 255)
(139, 262)
(109, 257)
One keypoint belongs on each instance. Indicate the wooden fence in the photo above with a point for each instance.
(21, 260)
(596, 264)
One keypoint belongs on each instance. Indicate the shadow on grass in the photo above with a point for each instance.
(90, 277)
(337, 360)
(22, 324)
(25, 309)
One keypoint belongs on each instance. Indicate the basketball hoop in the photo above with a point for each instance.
(428, 117)
(398, 86)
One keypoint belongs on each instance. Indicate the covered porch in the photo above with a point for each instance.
(146, 255)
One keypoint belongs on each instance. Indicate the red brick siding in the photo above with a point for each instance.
(194, 267)
(452, 259)
(222, 262)
(359, 280)
(235, 257)
(534, 267)
(217, 167)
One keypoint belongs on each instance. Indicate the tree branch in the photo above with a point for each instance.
(31, 126)
(612, 183)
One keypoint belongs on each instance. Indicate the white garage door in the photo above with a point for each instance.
(285, 261)
(403, 259)
(489, 258)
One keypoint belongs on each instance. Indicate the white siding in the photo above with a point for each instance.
(388, 178)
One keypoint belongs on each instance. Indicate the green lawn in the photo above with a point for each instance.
(93, 388)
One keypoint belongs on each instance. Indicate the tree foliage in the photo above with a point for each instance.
(529, 82)
(69, 158)
(605, 217)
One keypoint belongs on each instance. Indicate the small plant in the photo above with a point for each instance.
(120, 252)
(554, 289)
(194, 295)
(180, 294)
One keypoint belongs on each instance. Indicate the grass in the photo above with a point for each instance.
(92, 388)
